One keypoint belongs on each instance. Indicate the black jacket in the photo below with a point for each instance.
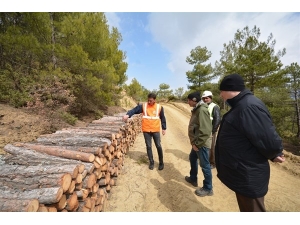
(246, 140)
(216, 118)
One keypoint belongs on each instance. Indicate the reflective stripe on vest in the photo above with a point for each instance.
(150, 119)
(210, 109)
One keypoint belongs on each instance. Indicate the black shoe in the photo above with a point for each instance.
(151, 166)
(160, 166)
(194, 183)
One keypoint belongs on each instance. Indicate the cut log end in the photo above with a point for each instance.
(33, 206)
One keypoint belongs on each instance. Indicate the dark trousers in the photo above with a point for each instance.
(148, 140)
(202, 156)
(250, 204)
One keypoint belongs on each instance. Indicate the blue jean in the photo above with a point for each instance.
(203, 156)
(148, 141)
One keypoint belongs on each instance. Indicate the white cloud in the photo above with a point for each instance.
(179, 33)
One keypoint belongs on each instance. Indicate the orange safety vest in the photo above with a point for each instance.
(150, 119)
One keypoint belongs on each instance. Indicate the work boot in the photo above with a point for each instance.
(161, 166)
(194, 183)
(204, 192)
(151, 165)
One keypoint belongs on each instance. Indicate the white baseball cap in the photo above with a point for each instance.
(206, 94)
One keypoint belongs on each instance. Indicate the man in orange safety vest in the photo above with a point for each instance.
(153, 121)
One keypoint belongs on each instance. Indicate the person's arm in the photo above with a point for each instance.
(216, 118)
(163, 121)
(258, 127)
(136, 110)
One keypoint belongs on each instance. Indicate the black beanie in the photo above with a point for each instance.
(232, 82)
(195, 96)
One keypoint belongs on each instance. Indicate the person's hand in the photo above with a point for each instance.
(125, 118)
(279, 159)
(163, 132)
(195, 148)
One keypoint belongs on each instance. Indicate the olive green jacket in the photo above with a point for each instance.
(200, 126)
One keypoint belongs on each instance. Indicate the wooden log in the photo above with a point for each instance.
(98, 134)
(82, 194)
(95, 188)
(61, 204)
(71, 188)
(51, 209)
(75, 207)
(91, 150)
(64, 153)
(78, 179)
(43, 208)
(89, 181)
(78, 186)
(104, 167)
(15, 205)
(116, 122)
(112, 182)
(72, 202)
(98, 160)
(82, 207)
(88, 132)
(84, 173)
(97, 208)
(102, 182)
(90, 203)
(96, 165)
(98, 173)
(104, 126)
(107, 177)
(113, 129)
(43, 195)
(77, 141)
(25, 156)
(38, 181)
(31, 171)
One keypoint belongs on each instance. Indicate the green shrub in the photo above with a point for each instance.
(68, 118)
(98, 114)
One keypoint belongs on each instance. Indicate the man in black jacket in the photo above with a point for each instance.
(246, 141)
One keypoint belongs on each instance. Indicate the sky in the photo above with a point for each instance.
(158, 37)
(157, 43)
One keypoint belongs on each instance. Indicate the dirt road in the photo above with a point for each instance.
(142, 190)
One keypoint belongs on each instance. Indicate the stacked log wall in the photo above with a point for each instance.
(71, 170)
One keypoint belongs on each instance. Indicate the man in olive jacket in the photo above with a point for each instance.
(200, 135)
(246, 141)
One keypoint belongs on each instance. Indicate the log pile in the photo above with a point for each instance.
(71, 170)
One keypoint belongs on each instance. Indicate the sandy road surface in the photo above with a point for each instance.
(142, 190)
